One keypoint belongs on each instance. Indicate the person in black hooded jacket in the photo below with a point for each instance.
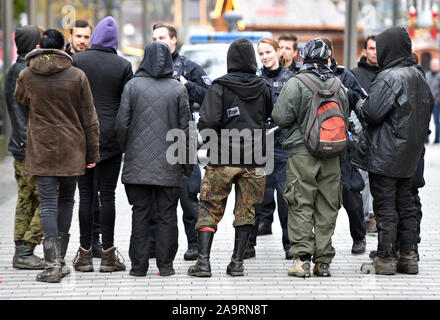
(396, 118)
(153, 103)
(237, 101)
(27, 227)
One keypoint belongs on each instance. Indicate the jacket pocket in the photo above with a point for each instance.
(289, 193)
(292, 140)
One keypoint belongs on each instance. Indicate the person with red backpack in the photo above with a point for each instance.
(314, 106)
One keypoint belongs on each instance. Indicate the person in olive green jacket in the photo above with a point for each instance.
(313, 190)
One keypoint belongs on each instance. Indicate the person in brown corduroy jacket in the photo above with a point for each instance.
(62, 140)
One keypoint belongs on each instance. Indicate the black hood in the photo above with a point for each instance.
(245, 85)
(393, 45)
(241, 57)
(26, 39)
(157, 61)
(242, 66)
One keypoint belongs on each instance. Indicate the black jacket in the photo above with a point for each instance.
(153, 103)
(26, 39)
(238, 100)
(396, 113)
(17, 112)
(355, 91)
(107, 73)
(365, 73)
(198, 81)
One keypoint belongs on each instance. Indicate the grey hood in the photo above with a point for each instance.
(157, 61)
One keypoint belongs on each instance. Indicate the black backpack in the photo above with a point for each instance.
(325, 134)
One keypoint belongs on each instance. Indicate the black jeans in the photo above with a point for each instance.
(190, 207)
(352, 202)
(395, 212)
(145, 199)
(264, 211)
(56, 211)
(418, 182)
(102, 178)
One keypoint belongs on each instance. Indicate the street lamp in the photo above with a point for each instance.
(232, 17)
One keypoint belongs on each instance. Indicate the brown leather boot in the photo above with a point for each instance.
(83, 261)
(385, 266)
(407, 263)
(110, 261)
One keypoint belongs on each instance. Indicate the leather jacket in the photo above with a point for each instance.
(396, 119)
(18, 113)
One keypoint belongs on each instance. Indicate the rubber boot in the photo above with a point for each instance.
(52, 255)
(407, 263)
(236, 267)
(83, 261)
(384, 266)
(24, 258)
(202, 268)
(64, 243)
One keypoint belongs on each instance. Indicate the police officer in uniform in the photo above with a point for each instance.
(192, 76)
(289, 51)
(276, 76)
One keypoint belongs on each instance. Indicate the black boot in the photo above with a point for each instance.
(64, 243)
(359, 246)
(202, 268)
(52, 269)
(24, 258)
(236, 267)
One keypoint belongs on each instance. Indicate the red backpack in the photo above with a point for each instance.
(325, 134)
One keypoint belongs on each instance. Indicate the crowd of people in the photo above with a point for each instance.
(352, 138)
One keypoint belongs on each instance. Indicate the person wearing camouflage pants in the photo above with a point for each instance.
(27, 219)
(27, 228)
(216, 186)
(236, 102)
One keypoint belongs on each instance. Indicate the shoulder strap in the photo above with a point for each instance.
(307, 81)
(314, 87)
(336, 85)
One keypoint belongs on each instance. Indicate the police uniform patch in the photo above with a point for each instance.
(206, 80)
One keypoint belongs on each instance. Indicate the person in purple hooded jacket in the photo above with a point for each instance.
(107, 74)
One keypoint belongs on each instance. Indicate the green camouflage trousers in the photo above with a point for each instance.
(27, 212)
(216, 186)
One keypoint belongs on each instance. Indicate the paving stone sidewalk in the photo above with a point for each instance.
(266, 275)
